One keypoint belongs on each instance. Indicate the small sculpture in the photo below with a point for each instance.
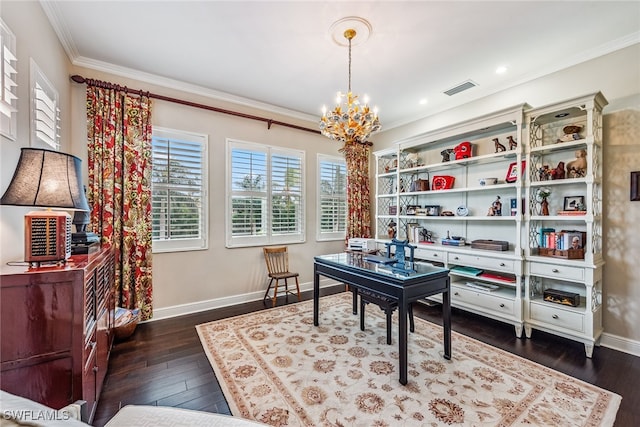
(499, 147)
(496, 208)
(391, 230)
(577, 168)
(512, 143)
(544, 173)
(413, 160)
(558, 172)
(426, 236)
(446, 154)
(570, 133)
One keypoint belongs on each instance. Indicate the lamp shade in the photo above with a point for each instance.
(48, 179)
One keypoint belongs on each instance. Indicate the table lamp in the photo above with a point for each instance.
(48, 179)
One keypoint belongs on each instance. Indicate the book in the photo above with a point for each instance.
(496, 276)
(466, 270)
(485, 287)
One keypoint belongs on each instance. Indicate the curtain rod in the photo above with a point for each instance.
(106, 85)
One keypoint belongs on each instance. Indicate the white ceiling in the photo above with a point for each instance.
(280, 55)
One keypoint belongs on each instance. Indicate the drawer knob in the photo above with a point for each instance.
(502, 264)
(456, 258)
(456, 294)
(555, 270)
(435, 255)
(502, 305)
(555, 316)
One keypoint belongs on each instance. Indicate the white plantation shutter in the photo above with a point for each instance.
(332, 198)
(265, 203)
(45, 111)
(179, 191)
(8, 82)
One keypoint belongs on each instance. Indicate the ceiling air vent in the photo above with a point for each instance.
(461, 87)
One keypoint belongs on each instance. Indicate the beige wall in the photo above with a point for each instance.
(34, 39)
(218, 276)
(616, 75)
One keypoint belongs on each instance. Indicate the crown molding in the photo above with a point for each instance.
(188, 88)
(64, 36)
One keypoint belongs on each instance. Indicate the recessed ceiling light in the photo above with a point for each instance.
(423, 101)
(501, 69)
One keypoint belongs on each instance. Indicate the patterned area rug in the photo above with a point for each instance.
(274, 366)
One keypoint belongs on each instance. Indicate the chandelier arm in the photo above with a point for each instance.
(349, 64)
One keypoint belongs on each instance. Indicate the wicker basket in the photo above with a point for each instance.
(125, 322)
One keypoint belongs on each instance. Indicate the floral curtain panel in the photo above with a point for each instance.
(119, 193)
(358, 201)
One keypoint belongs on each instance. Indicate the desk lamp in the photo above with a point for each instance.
(49, 179)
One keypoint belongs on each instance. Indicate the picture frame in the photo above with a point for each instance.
(572, 203)
(634, 189)
(432, 210)
(412, 209)
(512, 172)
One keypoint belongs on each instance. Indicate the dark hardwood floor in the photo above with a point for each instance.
(163, 363)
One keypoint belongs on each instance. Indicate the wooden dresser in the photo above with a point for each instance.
(56, 325)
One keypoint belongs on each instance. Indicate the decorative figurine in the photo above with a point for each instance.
(577, 168)
(499, 147)
(392, 230)
(426, 236)
(496, 208)
(446, 154)
(558, 172)
(512, 143)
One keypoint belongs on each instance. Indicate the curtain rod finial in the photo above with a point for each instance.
(78, 79)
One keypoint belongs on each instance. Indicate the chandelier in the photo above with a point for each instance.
(349, 122)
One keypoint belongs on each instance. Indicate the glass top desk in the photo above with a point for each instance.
(417, 281)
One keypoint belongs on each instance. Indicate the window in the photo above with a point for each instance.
(8, 82)
(332, 198)
(45, 111)
(179, 191)
(265, 203)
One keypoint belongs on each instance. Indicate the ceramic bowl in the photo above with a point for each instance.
(488, 181)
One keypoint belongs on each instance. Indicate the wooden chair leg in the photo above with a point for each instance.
(298, 288)
(275, 294)
(266, 294)
(362, 304)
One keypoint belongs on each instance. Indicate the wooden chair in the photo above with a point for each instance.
(277, 259)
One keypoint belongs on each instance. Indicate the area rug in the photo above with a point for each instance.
(274, 366)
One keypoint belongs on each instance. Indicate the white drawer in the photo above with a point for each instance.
(481, 299)
(496, 264)
(559, 271)
(557, 317)
(430, 255)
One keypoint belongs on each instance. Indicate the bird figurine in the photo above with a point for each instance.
(558, 172)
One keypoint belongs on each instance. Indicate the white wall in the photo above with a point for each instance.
(617, 76)
(34, 39)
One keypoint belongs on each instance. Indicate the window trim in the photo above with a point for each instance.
(320, 235)
(269, 238)
(183, 245)
(8, 107)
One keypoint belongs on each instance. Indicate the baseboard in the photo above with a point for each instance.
(195, 307)
(620, 343)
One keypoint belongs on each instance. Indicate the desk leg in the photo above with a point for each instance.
(446, 320)
(316, 295)
(354, 291)
(402, 339)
